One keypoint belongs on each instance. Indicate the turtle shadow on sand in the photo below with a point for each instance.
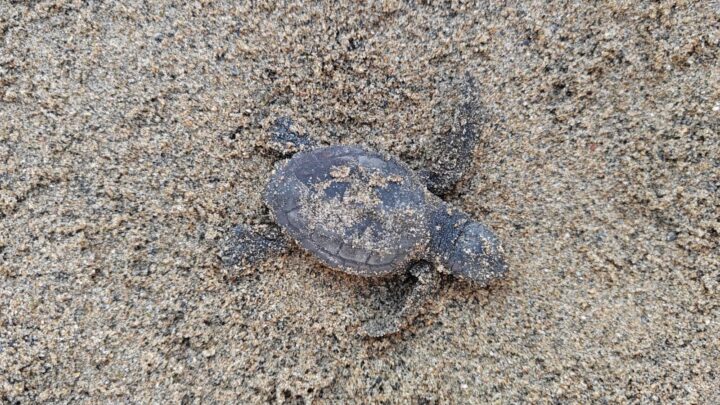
(368, 214)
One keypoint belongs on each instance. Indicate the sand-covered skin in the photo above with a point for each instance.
(129, 139)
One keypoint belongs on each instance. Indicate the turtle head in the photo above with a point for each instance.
(478, 255)
(471, 251)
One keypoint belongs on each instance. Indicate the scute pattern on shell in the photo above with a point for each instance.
(358, 211)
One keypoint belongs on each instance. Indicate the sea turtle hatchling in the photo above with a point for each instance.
(368, 214)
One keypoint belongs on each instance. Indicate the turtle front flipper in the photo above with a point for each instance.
(286, 142)
(453, 151)
(248, 244)
(426, 287)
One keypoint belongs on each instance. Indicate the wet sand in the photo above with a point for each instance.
(129, 147)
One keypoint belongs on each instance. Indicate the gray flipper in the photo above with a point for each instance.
(427, 286)
(453, 153)
(285, 142)
(247, 244)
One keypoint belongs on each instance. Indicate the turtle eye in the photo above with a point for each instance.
(474, 241)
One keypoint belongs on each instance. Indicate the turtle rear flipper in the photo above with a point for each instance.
(248, 244)
(285, 142)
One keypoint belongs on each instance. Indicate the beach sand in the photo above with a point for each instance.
(130, 144)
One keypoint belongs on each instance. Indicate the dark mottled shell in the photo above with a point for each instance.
(358, 211)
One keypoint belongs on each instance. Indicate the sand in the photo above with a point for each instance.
(129, 147)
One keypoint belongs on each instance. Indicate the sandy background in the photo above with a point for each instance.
(129, 142)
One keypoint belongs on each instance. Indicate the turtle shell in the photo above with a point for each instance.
(356, 210)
